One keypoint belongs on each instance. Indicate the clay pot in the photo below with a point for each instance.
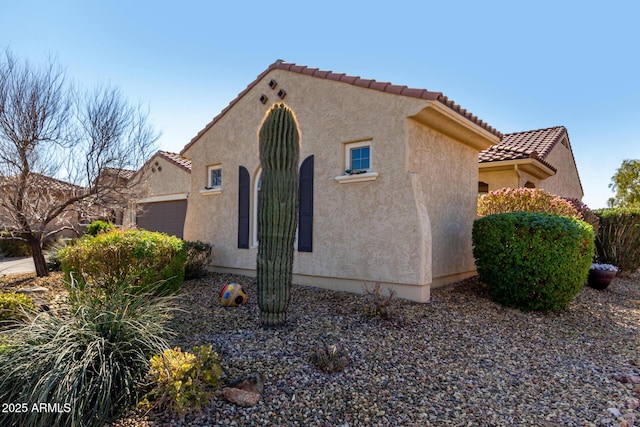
(600, 279)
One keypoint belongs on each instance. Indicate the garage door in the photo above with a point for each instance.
(167, 217)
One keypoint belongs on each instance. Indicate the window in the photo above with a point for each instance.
(358, 167)
(483, 187)
(358, 156)
(214, 181)
(215, 178)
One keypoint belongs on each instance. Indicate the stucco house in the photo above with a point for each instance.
(43, 194)
(161, 189)
(388, 179)
(540, 158)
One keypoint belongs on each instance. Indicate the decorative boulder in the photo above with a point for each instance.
(232, 295)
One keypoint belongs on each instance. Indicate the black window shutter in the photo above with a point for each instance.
(244, 196)
(305, 209)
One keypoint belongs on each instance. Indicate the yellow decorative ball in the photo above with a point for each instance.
(232, 295)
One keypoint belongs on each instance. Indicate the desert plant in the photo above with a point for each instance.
(198, 259)
(277, 213)
(97, 227)
(533, 261)
(15, 307)
(618, 238)
(141, 260)
(52, 253)
(525, 200)
(329, 358)
(182, 381)
(88, 363)
(376, 304)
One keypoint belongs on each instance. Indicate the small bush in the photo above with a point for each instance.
(198, 259)
(98, 227)
(141, 260)
(618, 238)
(533, 261)
(182, 381)
(525, 200)
(13, 247)
(15, 307)
(89, 363)
(376, 304)
(329, 358)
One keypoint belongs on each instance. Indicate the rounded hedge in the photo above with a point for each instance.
(140, 261)
(533, 261)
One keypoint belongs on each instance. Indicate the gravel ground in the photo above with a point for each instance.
(459, 360)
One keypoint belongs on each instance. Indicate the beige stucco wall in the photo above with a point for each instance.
(375, 231)
(566, 181)
(500, 179)
(446, 170)
(162, 177)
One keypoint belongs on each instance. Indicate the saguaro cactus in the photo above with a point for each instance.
(277, 213)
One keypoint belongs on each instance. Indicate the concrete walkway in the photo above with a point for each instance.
(16, 265)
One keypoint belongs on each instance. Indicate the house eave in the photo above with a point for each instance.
(530, 165)
(446, 121)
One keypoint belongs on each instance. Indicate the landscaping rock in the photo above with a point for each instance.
(245, 391)
(254, 383)
(32, 290)
(241, 397)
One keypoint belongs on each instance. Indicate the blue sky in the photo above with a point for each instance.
(516, 65)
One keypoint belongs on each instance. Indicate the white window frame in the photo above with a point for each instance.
(210, 189)
(369, 175)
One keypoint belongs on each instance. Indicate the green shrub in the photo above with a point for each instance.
(13, 247)
(618, 238)
(182, 381)
(89, 363)
(143, 261)
(98, 227)
(525, 200)
(198, 259)
(533, 261)
(15, 307)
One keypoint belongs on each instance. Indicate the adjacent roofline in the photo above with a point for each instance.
(532, 165)
(171, 157)
(355, 81)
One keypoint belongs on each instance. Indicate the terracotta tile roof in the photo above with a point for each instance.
(120, 173)
(176, 159)
(356, 81)
(533, 144)
(37, 180)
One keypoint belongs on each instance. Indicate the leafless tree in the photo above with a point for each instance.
(64, 154)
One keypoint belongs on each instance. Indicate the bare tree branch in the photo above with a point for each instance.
(93, 142)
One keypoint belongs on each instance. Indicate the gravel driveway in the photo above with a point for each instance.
(459, 360)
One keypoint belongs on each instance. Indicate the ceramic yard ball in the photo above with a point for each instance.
(232, 295)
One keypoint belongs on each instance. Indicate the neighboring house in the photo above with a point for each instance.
(403, 220)
(162, 193)
(535, 159)
(43, 195)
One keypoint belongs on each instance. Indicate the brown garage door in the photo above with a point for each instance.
(167, 217)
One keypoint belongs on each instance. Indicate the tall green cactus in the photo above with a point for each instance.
(277, 213)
